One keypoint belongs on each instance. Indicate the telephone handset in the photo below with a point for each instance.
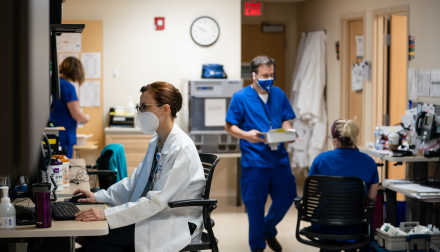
(420, 116)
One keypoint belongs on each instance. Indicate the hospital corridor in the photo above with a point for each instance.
(220, 125)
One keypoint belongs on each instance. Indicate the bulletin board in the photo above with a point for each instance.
(92, 42)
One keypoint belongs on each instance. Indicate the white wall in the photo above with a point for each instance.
(324, 14)
(144, 55)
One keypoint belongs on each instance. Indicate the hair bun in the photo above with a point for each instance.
(179, 99)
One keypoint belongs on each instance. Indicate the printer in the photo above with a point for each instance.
(121, 119)
(208, 104)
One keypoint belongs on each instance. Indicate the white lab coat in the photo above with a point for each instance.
(307, 99)
(158, 227)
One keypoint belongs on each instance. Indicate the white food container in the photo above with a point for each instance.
(81, 139)
(276, 136)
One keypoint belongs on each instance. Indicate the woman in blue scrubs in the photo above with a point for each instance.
(66, 111)
(346, 160)
(259, 108)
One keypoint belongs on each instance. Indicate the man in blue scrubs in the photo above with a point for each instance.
(259, 108)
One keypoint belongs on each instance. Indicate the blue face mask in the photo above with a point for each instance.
(264, 83)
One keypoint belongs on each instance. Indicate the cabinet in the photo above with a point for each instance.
(134, 141)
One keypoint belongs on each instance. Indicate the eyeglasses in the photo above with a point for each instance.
(146, 107)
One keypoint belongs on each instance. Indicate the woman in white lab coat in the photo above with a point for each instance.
(140, 218)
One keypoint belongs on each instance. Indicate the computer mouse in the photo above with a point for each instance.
(75, 199)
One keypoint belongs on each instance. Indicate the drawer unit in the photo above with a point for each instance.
(135, 146)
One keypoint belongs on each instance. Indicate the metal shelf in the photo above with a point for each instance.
(67, 28)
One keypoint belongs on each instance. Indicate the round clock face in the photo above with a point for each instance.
(205, 31)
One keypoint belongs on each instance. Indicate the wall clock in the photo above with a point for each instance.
(205, 31)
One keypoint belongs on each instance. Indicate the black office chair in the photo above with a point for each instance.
(335, 201)
(209, 161)
(105, 177)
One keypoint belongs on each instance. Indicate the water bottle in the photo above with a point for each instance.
(377, 137)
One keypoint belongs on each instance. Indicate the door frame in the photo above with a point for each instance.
(287, 48)
(345, 20)
(379, 86)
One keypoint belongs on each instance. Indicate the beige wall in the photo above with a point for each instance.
(144, 55)
(280, 13)
(423, 20)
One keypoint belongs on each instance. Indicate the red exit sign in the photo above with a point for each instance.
(252, 9)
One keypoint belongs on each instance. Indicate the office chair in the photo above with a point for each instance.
(208, 241)
(106, 178)
(335, 201)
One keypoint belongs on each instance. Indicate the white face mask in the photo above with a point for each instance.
(147, 121)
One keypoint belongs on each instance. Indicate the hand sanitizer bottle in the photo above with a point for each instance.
(7, 210)
(130, 108)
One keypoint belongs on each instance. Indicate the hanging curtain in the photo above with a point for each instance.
(307, 99)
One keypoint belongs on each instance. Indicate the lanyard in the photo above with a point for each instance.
(153, 172)
(264, 107)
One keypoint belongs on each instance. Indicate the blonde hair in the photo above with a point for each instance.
(349, 131)
(72, 68)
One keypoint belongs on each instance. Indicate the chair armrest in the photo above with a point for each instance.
(187, 203)
(298, 203)
(101, 172)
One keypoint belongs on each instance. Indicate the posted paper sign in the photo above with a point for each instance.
(92, 65)
(90, 94)
(215, 112)
(435, 82)
(356, 77)
(360, 46)
(424, 82)
(413, 76)
(69, 42)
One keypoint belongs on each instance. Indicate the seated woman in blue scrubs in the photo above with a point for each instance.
(67, 112)
(346, 160)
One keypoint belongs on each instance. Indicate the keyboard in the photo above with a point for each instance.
(64, 210)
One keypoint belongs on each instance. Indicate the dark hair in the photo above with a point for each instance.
(261, 60)
(72, 68)
(165, 93)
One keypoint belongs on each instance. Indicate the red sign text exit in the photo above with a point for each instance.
(252, 9)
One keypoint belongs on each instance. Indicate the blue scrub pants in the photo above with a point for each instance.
(256, 184)
(69, 150)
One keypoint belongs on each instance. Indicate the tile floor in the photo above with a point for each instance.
(231, 228)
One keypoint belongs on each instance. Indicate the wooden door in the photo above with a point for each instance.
(254, 42)
(355, 101)
(397, 81)
(398, 56)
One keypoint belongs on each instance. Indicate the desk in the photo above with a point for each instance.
(76, 165)
(420, 209)
(90, 145)
(236, 155)
(59, 237)
(386, 156)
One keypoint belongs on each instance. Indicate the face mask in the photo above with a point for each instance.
(264, 83)
(147, 121)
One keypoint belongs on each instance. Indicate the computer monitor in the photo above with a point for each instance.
(24, 96)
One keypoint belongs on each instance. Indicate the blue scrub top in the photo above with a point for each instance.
(61, 114)
(347, 162)
(247, 111)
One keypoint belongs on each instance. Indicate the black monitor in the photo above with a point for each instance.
(24, 96)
